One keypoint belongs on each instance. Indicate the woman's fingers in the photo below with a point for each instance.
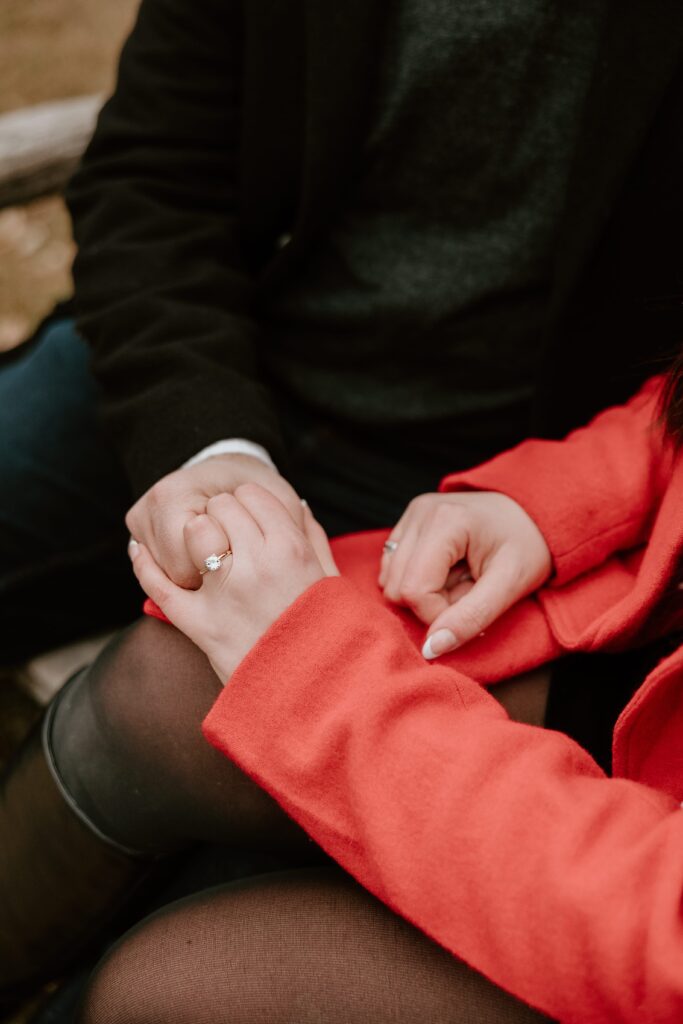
(387, 560)
(479, 606)
(267, 511)
(236, 522)
(458, 590)
(397, 545)
(176, 603)
(460, 573)
(429, 551)
(204, 537)
(161, 530)
(396, 561)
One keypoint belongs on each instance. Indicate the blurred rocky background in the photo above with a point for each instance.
(49, 50)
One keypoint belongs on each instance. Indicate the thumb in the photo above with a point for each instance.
(493, 593)
(173, 600)
(319, 542)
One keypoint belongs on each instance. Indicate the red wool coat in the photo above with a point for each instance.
(505, 843)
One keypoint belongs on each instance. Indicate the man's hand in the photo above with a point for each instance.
(460, 561)
(159, 518)
(271, 562)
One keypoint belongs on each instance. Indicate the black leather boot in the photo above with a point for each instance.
(61, 880)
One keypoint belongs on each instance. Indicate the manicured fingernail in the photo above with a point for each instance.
(133, 549)
(438, 643)
(304, 503)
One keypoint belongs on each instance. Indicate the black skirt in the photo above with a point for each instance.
(588, 692)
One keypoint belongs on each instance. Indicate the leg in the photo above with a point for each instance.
(128, 776)
(525, 698)
(128, 745)
(63, 570)
(289, 949)
(130, 759)
(127, 741)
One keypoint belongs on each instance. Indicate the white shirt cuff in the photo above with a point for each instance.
(232, 446)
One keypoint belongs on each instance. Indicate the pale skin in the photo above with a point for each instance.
(158, 519)
(271, 563)
(461, 560)
(274, 559)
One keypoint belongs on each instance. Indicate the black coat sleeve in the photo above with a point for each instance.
(162, 293)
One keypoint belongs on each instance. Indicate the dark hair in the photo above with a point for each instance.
(672, 402)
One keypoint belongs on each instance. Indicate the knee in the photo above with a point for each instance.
(61, 339)
(112, 995)
(53, 368)
(116, 726)
(143, 668)
(124, 701)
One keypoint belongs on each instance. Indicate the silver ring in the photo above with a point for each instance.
(390, 546)
(214, 562)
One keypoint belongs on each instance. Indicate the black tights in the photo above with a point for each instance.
(128, 744)
(309, 946)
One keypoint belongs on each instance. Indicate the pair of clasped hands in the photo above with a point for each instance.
(459, 560)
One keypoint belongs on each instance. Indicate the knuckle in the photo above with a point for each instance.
(169, 541)
(512, 571)
(442, 514)
(218, 502)
(450, 512)
(162, 492)
(193, 525)
(411, 593)
(422, 502)
(248, 489)
(297, 547)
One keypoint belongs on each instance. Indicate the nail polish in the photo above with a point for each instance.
(438, 643)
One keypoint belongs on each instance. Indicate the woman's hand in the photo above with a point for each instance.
(159, 517)
(271, 562)
(460, 561)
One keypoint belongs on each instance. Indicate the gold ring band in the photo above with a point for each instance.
(214, 562)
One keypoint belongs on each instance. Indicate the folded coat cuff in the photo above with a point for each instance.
(592, 494)
(334, 630)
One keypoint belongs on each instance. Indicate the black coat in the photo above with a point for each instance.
(235, 125)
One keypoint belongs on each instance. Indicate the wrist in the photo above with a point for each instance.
(231, 446)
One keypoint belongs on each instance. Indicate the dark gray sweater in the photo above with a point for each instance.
(426, 300)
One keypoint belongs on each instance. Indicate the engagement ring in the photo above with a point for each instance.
(214, 562)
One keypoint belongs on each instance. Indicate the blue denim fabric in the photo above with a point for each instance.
(63, 496)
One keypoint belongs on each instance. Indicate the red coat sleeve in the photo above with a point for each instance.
(592, 494)
(504, 843)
